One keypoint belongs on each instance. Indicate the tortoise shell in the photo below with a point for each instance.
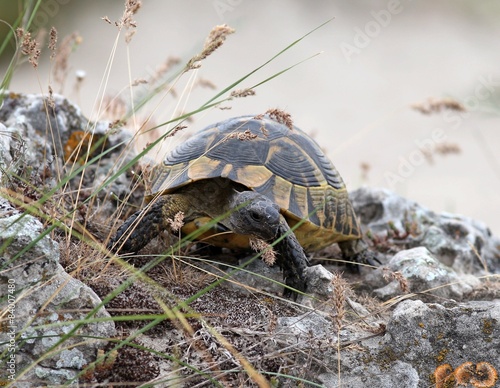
(266, 156)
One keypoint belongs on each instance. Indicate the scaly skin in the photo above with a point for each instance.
(250, 214)
(145, 224)
(292, 260)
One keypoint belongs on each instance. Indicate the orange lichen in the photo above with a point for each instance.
(80, 143)
(486, 375)
(464, 372)
(441, 373)
(480, 375)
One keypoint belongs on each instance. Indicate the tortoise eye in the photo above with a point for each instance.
(256, 216)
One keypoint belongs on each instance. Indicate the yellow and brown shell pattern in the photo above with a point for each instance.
(283, 164)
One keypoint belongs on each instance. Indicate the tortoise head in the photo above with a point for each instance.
(255, 215)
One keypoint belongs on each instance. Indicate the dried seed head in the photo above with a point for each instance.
(176, 129)
(129, 35)
(390, 275)
(205, 83)
(245, 135)
(242, 93)
(50, 99)
(61, 67)
(341, 289)
(281, 117)
(115, 107)
(163, 68)
(436, 106)
(52, 42)
(29, 47)
(447, 148)
(131, 8)
(214, 40)
(177, 223)
(268, 253)
(365, 169)
(139, 81)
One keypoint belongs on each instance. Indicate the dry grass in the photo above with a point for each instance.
(281, 117)
(239, 348)
(61, 55)
(29, 47)
(433, 105)
(389, 276)
(215, 39)
(267, 251)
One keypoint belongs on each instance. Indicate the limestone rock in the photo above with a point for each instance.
(459, 242)
(41, 298)
(423, 273)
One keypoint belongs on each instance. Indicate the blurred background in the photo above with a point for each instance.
(376, 59)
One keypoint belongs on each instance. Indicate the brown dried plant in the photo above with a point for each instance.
(268, 253)
(242, 135)
(174, 131)
(61, 57)
(281, 117)
(50, 100)
(205, 83)
(177, 223)
(131, 8)
(341, 290)
(240, 93)
(214, 40)
(127, 19)
(52, 42)
(29, 46)
(436, 106)
(447, 148)
(390, 275)
(163, 68)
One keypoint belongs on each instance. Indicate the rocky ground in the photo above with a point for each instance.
(428, 316)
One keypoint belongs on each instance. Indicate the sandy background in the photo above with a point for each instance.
(377, 58)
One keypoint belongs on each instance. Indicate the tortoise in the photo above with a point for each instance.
(259, 178)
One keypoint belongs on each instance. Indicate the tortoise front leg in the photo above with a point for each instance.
(293, 260)
(142, 226)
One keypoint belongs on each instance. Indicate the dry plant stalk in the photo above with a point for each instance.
(52, 42)
(162, 69)
(177, 223)
(242, 135)
(115, 107)
(365, 169)
(61, 56)
(436, 106)
(29, 46)
(131, 8)
(127, 20)
(206, 83)
(50, 99)
(341, 290)
(447, 148)
(281, 117)
(389, 275)
(240, 93)
(268, 253)
(176, 129)
(214, 40)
